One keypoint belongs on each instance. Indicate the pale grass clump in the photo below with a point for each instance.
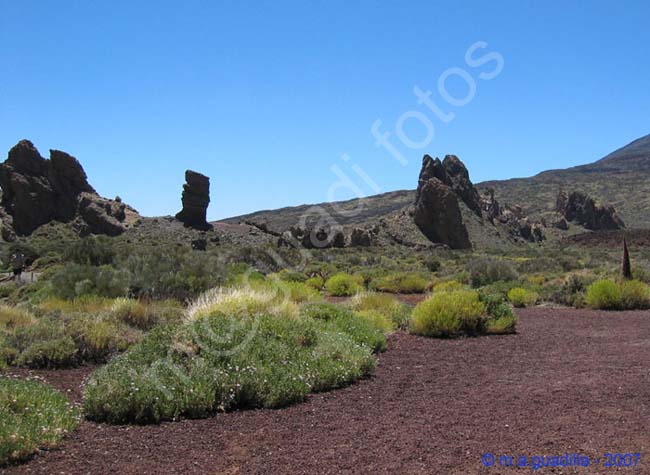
(241, 302)
(12, 317)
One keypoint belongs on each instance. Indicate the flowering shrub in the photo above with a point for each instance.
(237, 349)
(34, 416)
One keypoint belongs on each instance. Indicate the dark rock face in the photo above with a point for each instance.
(195, 199)
(582, 209)
(37, 191)
(453, 173)
(361, 238)
(437, 212)
(101, 215)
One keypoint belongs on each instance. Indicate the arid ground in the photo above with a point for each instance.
(571, 381)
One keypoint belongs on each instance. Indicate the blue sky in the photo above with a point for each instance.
(266, 96)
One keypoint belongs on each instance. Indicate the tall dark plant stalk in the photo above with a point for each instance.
(626, 268)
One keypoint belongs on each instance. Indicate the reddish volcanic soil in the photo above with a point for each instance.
(571, 381)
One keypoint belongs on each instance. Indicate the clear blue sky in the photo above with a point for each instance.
(265, 96)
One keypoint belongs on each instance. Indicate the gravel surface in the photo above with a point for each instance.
(571, 381)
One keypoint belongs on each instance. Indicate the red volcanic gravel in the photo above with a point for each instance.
(571, 381)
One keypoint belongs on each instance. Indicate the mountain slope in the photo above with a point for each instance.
(621, 178)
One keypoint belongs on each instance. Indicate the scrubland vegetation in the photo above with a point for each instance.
(182, 333)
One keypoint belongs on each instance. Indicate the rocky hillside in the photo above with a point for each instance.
(621, 179)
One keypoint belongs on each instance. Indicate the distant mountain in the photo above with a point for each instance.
(621, 178)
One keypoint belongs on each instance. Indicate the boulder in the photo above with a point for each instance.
(580, 208)
(195, 199)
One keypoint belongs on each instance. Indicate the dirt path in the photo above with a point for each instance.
(571, 381)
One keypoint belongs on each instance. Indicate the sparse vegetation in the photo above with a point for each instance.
(34, 416)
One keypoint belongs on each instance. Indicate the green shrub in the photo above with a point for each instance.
(132, 312)
(604, 294)
(521, 298)
(34, 416)
(448, 286)
(485, 271)
(387, 305)
(12, 317)
(220, 362)
(432, 264)
(343, 285)
(75, 280)
(298, 292)
(635, 295)
(57, 353)
(449, 314)
(97, 339)
(501, 318)
(316, 282)
(364, 331)
(91, 251)
(401, 283)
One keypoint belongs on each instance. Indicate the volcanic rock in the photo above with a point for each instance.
(453, 173)
(437, 212)
(37, 191)
(582, 209)
(195, 199)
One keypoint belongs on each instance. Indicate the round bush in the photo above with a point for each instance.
(522, 297)
(343, 285)
(604, 294)
(449, 314)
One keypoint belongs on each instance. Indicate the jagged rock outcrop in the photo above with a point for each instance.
(195, 199)
(310, 238)
(37, 190)
(437, 212)
(580, 208)
(453, 173)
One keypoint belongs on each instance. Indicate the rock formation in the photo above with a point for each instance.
(453, 173)
(437, 212)
(312, 238)
(582, 209)
(37, 191)
(195, 199)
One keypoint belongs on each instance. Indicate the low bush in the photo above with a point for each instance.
(521, 298)
(34, 416)
(221, 360)
(635, 295)
(485, 271)
(448, 286)
(11, 317)
(501, 319)
(604, 294)
(365, 331)
(449, 314)
(395, 312)
(401, 283)
(76, 280)
(316, 282)
(57, 353)
(343, 285)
